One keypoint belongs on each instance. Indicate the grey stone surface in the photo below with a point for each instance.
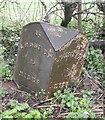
(49, 57)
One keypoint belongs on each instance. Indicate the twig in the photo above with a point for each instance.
(47, 100)
(51, 8)
(60, 110)
(99, 96)
(47, 106)
(58, 16)
(78, 84)
(63, 114)
(51, 12)
(27, 10)
(44, 5)
(92, 79)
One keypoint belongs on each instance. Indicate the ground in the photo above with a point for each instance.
(15, 94)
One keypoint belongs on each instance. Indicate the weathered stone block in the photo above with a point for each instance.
(49, 57)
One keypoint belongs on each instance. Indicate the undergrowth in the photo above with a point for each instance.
(66, 101)
(95, 65)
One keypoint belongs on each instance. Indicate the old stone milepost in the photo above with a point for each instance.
(49, 57)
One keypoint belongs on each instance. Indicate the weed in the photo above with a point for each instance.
(73, 104)
(5, 72)
(94, 64)
(15, 110)
(3, 93)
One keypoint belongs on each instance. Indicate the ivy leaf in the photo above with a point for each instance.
(23, 106)
(68, 104)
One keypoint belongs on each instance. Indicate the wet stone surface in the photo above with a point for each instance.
(49, 57)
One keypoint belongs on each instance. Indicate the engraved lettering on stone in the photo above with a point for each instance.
(73, 70)
(21, 46)
(28, 77)
(26, 44)
(26, 54)
(37, 33)
(32, 61)
(37, 81)
(31, 44)
(77, 53)
(60, 29)
(39, 47)
(48, 53)
(33, 78)
(35, 45)
(25, 75)
(54, 32)
(60, 85)
(20, 73)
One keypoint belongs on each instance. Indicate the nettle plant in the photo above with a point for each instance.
(5, 72)
(19, 110)
(23, 110)
(3, 93)
(77, 108)
(94, 64)
(10, 39)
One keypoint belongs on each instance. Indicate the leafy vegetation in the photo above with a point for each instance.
(94, 63)
(10, 39)
(68, 102)
(5, 72)
(3, 93)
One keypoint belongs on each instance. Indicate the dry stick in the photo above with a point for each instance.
(34, 10)
(44, 5)
(78, 84)
(42, 102)
(14, 95)
(63, 114)
(51, 8)
(58, 16)
(103, 101)
(27, 10)
(17, 90)
(79, 8)
(92, 79)
(47, 106)
(60, 110)
(2, 6)
(99, 96)
(61, 5)
(14, 11)
(82, 11)
(52, 12)
(87, 13)
(30, 95)
(21, 92)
